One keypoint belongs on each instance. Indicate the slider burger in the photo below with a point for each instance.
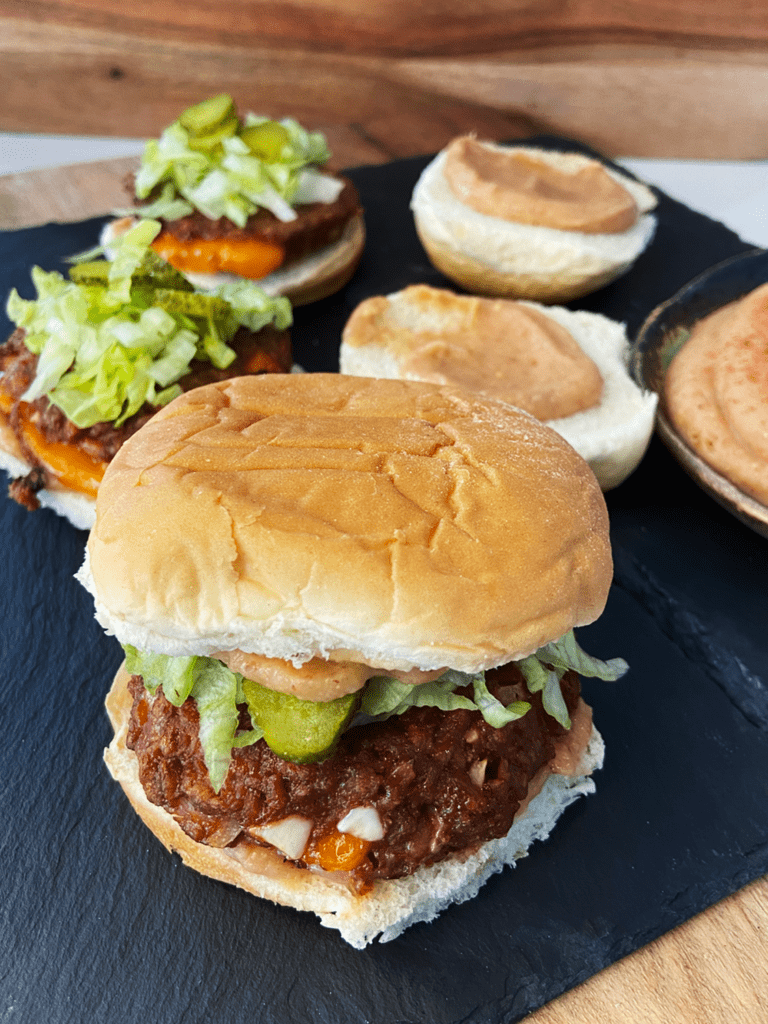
(529, 223)
(248, 198)
(95, 355)
(350, 684)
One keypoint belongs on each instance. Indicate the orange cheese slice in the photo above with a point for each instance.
(73, 468)
(338, 851)
(253, 258)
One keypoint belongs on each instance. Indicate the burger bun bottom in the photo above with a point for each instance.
(392, 905)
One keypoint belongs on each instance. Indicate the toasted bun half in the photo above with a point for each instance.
(492, 256)
(612, 436)
(78, 508)
(395, 523)
(309, 279)
(392, 905)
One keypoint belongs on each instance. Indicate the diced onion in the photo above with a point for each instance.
(363, 823)
(289, 836)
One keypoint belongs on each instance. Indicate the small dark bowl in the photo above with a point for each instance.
(664, 332)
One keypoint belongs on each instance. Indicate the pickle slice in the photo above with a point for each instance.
(212, 139)
(206, 117)
(266, 140)
(190, 303)
(155, 269)
(302, 731)
(93, 272)
(153, 272)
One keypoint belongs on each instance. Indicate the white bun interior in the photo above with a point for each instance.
(395, 523)
(490, 256)
(612, 437)
(392, 905)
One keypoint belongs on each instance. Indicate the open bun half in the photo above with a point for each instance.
(612, 436)
(492, 256)
(395, 523)
(314, 277)
(392, 905)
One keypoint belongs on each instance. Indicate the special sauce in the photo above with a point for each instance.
(317, 679)
(716, 392)
(498, 347)
(517, 185)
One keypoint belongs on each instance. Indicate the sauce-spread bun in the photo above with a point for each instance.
(567, 368)
(419, 542)
(529, 223)
(247, 197)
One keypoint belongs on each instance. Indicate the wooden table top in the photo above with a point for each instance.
(711, 970)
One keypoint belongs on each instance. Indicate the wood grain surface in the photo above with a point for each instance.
(711, 970)
(634, 78)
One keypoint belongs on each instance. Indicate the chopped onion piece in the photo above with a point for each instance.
(477, 772)
(289, 836)
(362, 823)
(316, 187)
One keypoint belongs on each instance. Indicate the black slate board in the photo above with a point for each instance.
(101, 925)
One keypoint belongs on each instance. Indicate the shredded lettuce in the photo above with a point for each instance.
(562, 655)
(384, 696)
(230, 180)
(217, 692)
(106, 348)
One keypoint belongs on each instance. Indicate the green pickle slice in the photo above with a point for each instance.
(213, 139)
(93, 272)
(303, 731)
(153, 272)
(266, 140)
(206, 117)
(190, 303)
(154, 267)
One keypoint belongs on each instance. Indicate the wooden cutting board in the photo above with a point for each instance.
(674, 78)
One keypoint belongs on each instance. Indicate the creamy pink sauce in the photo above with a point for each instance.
(524, 188)
(318, 679)
(716, 391)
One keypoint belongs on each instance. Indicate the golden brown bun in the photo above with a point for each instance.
(396, 523)
(323, 274)
(310, 279)
(492, 256)
(482, 279)
(391, 906)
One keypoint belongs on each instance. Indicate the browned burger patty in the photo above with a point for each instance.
(315, 226)
(442, 782)
(264, 351)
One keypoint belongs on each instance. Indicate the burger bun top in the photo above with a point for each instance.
(397, 523)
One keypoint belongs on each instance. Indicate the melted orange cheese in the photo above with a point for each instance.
(338, 851)
(73, 468)
(253, 258)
